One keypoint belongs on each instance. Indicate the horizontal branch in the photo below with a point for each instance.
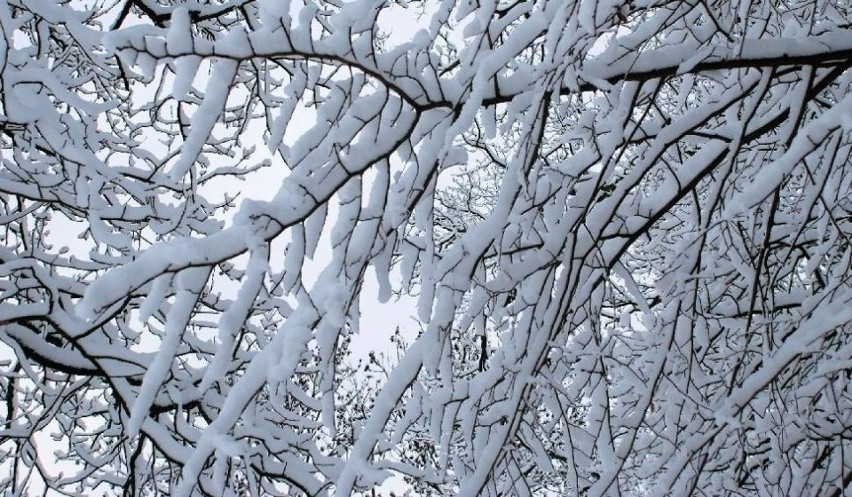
(831, 49)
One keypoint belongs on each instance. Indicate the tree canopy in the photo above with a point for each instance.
(624, 224)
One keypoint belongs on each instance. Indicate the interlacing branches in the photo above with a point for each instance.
(625, 224)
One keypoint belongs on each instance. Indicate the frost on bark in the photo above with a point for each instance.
(626, 226)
